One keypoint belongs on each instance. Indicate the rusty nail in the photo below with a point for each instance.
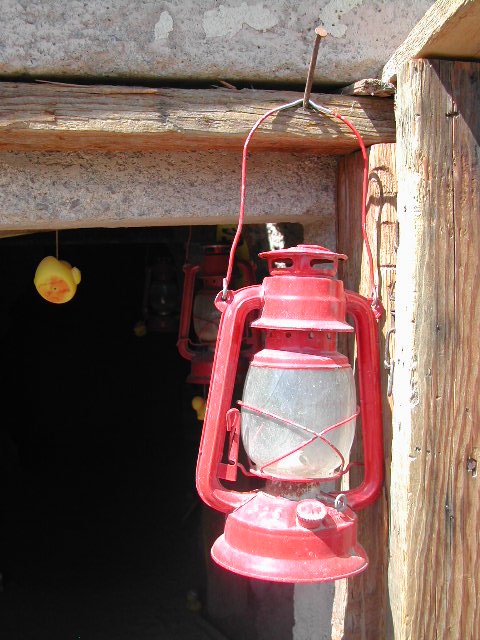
(320, 33)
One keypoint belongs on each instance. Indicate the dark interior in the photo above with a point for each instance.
(100, 525)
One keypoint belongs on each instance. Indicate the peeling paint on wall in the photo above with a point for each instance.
(164, 26)
(227, 21)
(332, 13)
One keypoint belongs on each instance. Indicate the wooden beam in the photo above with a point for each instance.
(58, 117)
(365, 611)
(450, 29)
(434, 572)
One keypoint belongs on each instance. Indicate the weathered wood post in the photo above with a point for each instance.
(434, 572)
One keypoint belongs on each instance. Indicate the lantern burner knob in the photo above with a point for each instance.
(311, 513)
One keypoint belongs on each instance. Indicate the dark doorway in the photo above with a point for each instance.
(99, 530)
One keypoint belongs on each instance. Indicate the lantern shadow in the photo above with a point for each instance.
(365, 606)
(243, 607)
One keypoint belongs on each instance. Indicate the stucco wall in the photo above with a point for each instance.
(198, 40)
(60, 190)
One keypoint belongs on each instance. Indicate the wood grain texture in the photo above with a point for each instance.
(366, 607)
(434, 568)
(464, 587)
(449, 29)
(61, 117)
(369, 87)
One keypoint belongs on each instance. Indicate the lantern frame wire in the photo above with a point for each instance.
(342, 469)
(208, 322)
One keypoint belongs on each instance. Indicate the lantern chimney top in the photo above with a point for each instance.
(303, 260)
(302, 292)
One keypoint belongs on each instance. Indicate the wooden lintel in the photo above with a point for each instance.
(61, 117)
(450, 29)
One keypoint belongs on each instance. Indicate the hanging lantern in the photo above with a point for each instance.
(297, 423)
(298, 411)
(206, 316)
(160, 297)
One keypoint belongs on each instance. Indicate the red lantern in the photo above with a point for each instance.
(206, 317)
(296, 423)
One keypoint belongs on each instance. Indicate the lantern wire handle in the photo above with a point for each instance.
(238, 233)
(377, 306)
(376, 302)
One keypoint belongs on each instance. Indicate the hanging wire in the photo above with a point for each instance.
(56, 243)
(187, 250)
(376, 303)
(238, 233)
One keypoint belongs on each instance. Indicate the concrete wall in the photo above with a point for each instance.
(197, 40)
(62, 190)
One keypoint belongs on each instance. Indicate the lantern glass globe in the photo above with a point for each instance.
(206, 318)
(312, 398)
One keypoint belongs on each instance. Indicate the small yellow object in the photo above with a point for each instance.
(199, 404)
(193, 602)
(56, 280)
(140, 329)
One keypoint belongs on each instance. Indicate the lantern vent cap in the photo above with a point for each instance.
(303, 260)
